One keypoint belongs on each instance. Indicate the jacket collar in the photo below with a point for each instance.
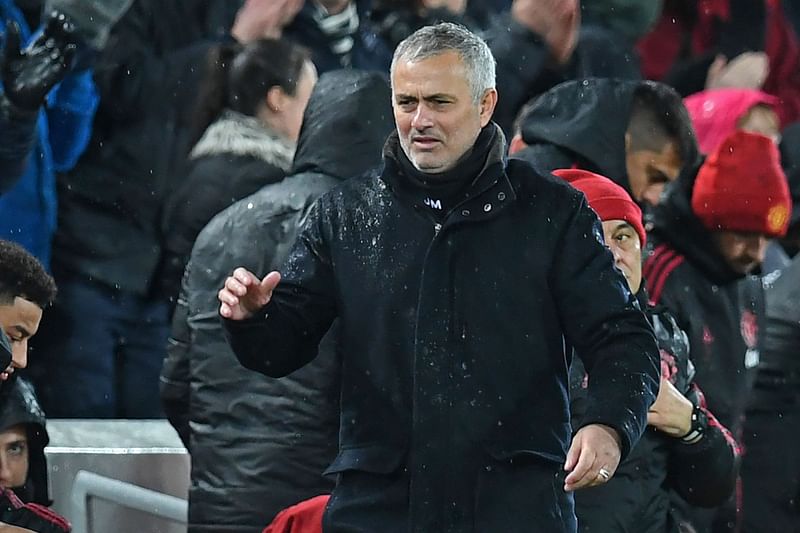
(242, 135)
(488, 194)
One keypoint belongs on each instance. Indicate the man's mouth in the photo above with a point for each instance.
(425, 142)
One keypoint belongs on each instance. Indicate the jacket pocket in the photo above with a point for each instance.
(522, 490)
(372, 458)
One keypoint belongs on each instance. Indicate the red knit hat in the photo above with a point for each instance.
(609, 200)
(742, 187)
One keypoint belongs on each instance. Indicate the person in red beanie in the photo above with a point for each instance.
(709, 235)
(684, 448)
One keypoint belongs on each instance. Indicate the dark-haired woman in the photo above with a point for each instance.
(247, 124)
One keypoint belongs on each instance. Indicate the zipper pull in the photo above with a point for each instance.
(436, 228)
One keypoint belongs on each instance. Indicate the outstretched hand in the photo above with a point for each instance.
(244, 294)
(30, 73)
(593, 457)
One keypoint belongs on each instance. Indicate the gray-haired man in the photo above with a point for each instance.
(459, 280)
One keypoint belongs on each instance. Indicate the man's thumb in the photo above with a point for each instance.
(270, 281)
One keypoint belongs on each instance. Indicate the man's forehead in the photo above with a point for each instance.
(22, 312)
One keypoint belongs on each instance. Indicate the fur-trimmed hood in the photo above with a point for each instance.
(242, 135)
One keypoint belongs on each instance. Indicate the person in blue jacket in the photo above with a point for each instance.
(38, 138)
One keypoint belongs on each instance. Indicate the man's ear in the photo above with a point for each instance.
(276, 99)
(627, 142)
(488, 103)
(516, 144)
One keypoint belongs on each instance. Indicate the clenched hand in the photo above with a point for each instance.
(244, 294)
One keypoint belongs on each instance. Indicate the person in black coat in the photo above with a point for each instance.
(249, 117)
(710, 233)
(771, 471)
(638, 133)
(458, 281)
(684, 448)
(269, 452)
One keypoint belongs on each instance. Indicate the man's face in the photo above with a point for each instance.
(743, 252)
(624, 243)
(650, 171)
(13, 457)
(436, 117)
(20, 321)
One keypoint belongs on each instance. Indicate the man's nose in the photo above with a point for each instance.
(19, 354)
(652, 194)
(757, 249)
(5, 473)
(421, 119)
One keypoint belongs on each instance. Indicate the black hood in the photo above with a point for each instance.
(675, 223)
(19, 405)
(589, 119)
(348, 115)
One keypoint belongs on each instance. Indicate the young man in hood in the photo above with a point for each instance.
(636, 132)
(710, 234)
(457, 277)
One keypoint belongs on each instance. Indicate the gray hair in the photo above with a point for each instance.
(445, 37)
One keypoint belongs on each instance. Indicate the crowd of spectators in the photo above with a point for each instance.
(149, 147)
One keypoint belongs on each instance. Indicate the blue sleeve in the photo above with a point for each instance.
(70, 112)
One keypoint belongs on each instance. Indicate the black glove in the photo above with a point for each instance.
(29, 74)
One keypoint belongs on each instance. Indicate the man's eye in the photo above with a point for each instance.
(16, 449)
(623, 237)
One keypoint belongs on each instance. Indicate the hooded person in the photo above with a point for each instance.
(25, 497)
(269, 450)
(716, 113)
(684, 448)
(709, 235)
(635, 132)
(20, 410)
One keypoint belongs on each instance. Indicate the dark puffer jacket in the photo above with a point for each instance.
(235, 157)
(259, 445)
(583, 123)
(638, 499)
(453, 336)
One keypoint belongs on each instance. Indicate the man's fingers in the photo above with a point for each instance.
(245, 277)
(225, 310)
(13, 39)
(235, 286)
(225, 296)
(578, 477)
(572, 455)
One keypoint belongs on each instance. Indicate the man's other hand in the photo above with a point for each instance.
(593, 457)
(672, 411)
(244, 294)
